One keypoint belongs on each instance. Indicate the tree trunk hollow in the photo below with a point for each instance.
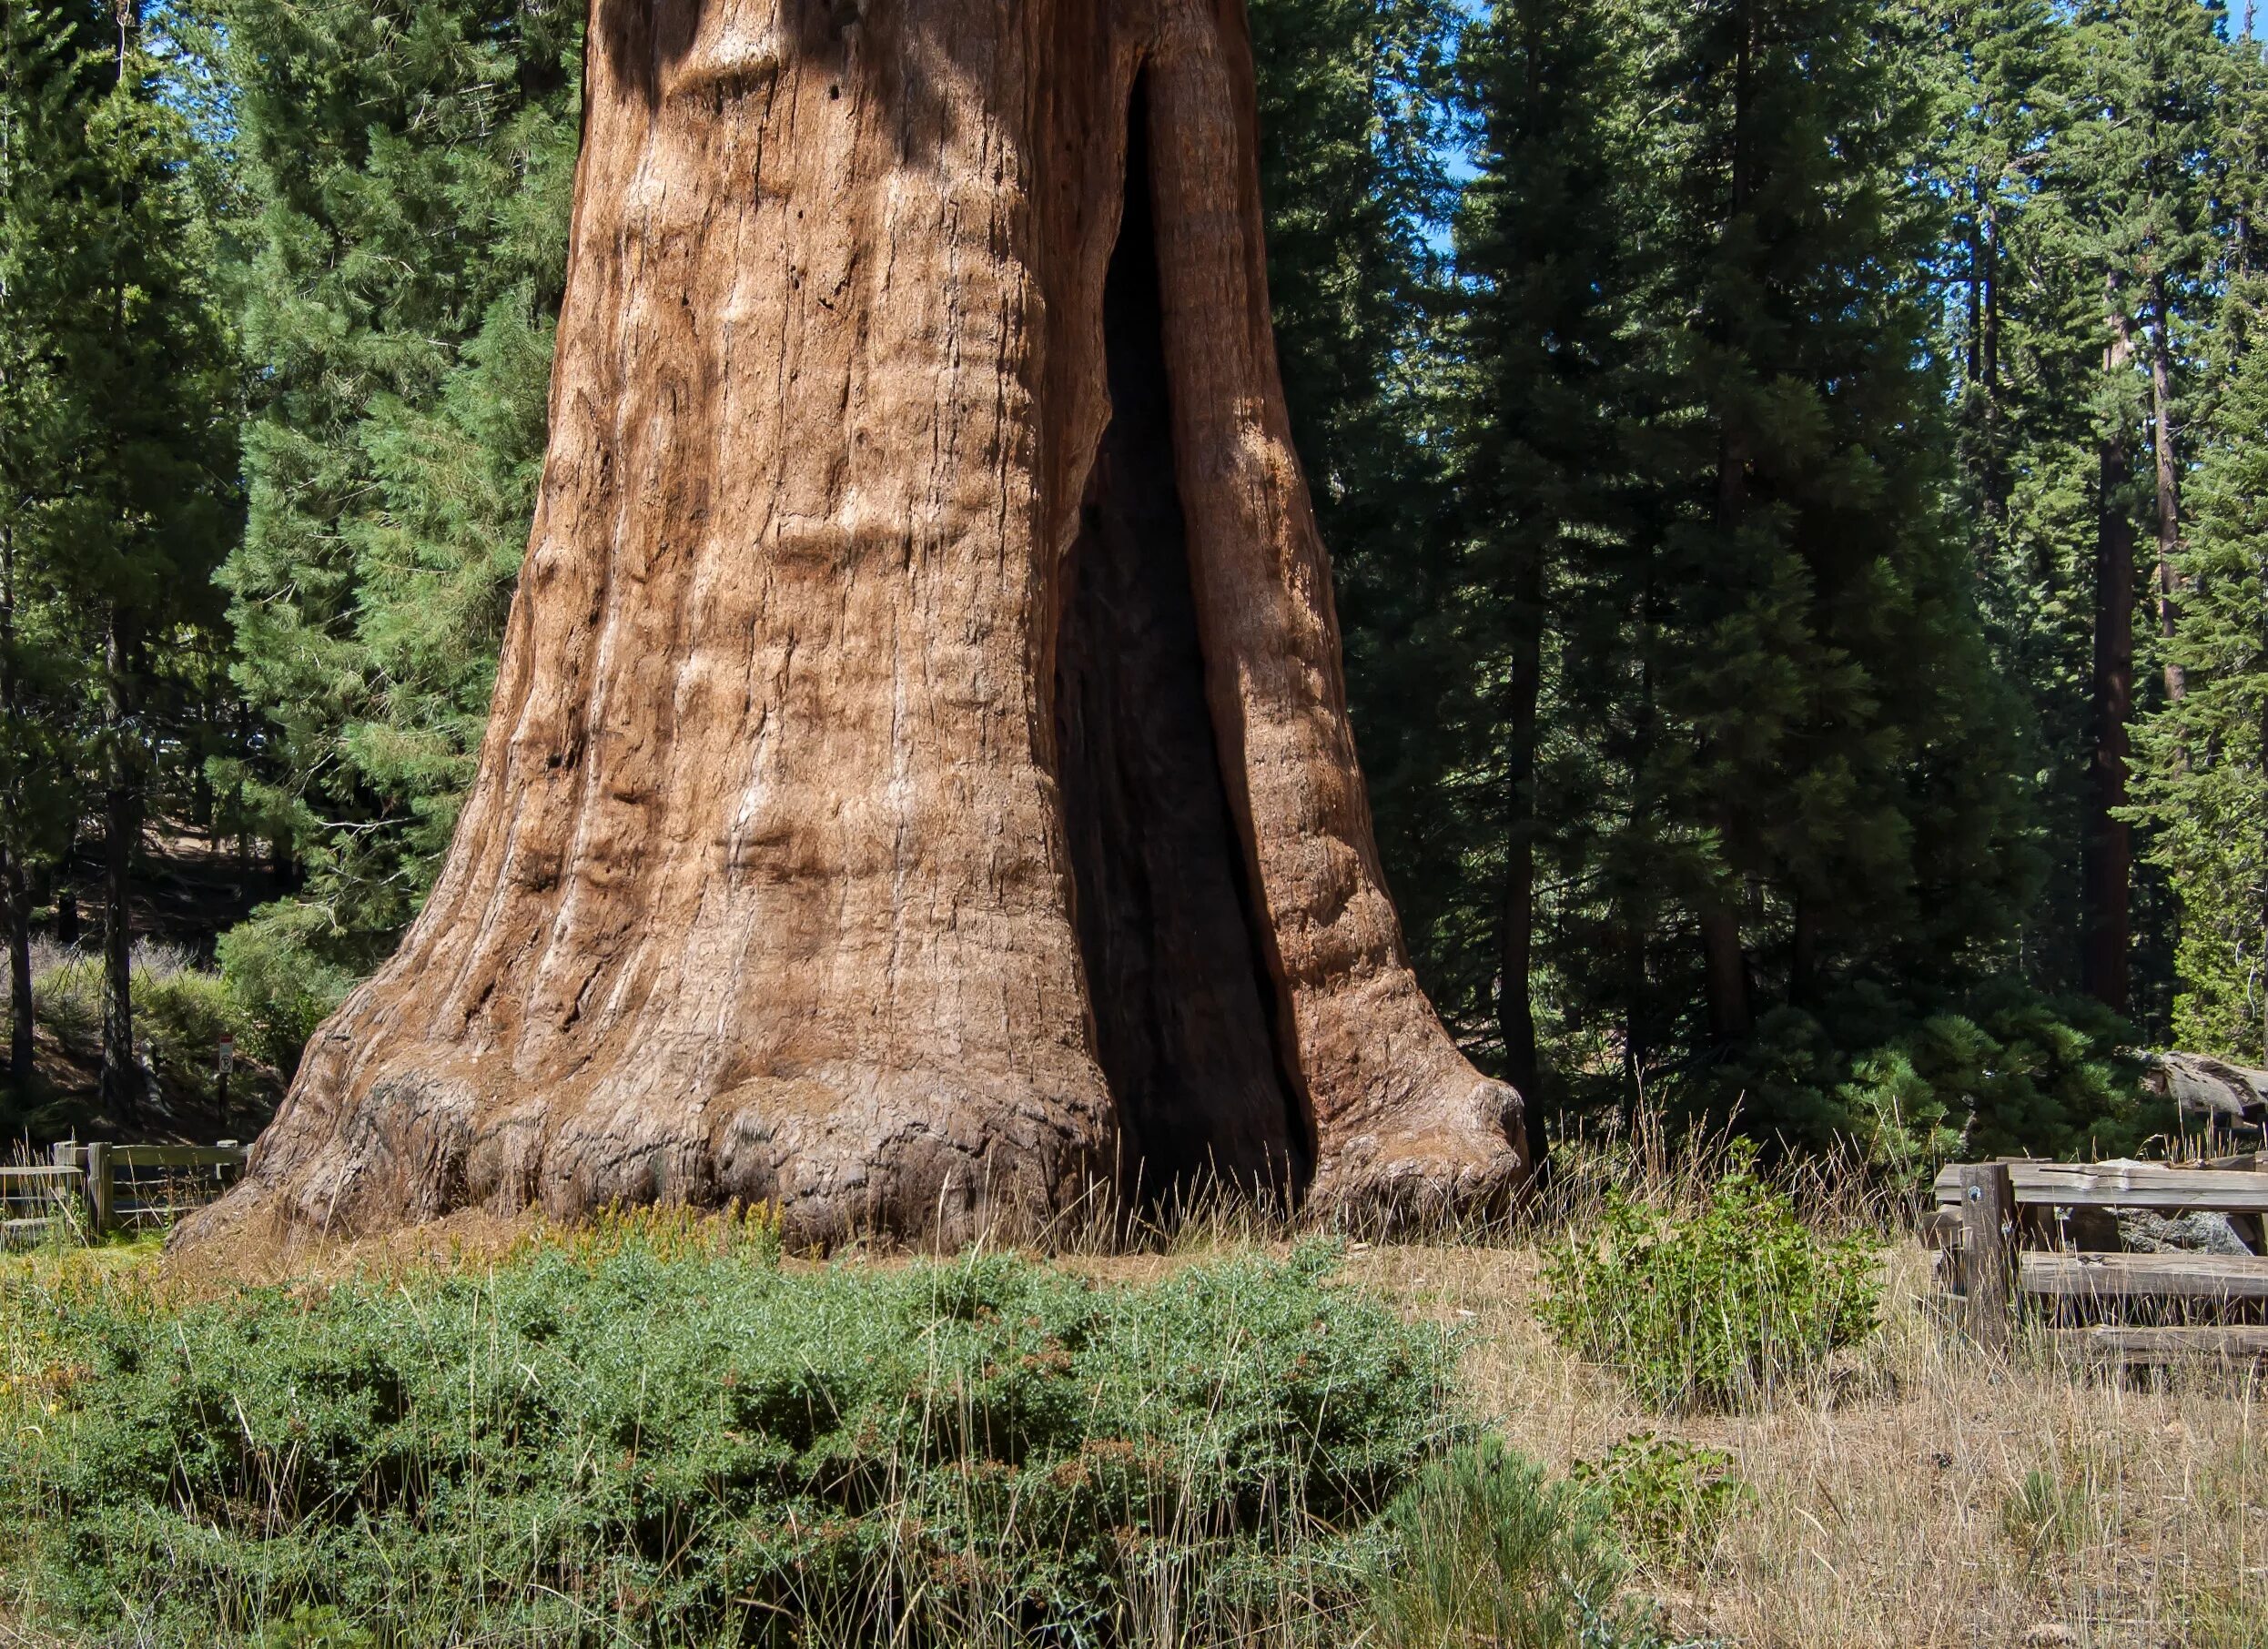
(1186, 1025)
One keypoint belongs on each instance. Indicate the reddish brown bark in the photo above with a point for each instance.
(911, 792)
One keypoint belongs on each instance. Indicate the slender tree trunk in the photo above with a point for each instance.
(1725, 971)
(1989, 366)
(1636, 914)
(2108, 852)
(921, 730)
(1725, 962)
(16, 897)
(122, 829)
(1726, 979)
(121, 1086)
(1807, 940)
(1975, 363)
(2160, 333)
(1515, 1013)
(14, 889)
(1637, 1046)
(201, 794)
(237, 809)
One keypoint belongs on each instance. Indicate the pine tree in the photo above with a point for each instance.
(2201, 780)
(408, 168)
(2076, 172)
(144, 501)
(2138, 173)
(2202, 772)
(1831, 727)
(46, 69)
(1545, 249)
(1354, 104)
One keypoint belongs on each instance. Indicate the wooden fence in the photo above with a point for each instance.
(88, 1189)
(2014, 1238)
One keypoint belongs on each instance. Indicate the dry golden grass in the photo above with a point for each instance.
(1892, 1508)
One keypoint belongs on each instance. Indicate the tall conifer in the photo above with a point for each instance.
(1828, 705)
(145, 498)
(2202, 772)
(46, 70)
(409, 166)
(1544, 246)
(1354, 115)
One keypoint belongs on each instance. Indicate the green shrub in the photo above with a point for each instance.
(2005, 1069)
(1715, 1310)
(290, 967)
(179, 1016)
(180, 1013)
(2017, 1074)
(1486, 1551)
(645, 1441)
(1669, 1498)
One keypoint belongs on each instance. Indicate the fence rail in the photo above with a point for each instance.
(2007, 1246)
(2142, 1185)
(90, 1189)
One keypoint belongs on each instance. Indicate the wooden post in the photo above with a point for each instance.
(1988, 1252)
(96, 1162)
(65, 1153)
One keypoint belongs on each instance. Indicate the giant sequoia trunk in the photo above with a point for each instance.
(919, 783)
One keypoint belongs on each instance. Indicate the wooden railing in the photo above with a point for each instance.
(88, 1189)
(2006, 1232)
(37, 1203)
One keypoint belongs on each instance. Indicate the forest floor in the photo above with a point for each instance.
(187, 891)
(1926, 1494)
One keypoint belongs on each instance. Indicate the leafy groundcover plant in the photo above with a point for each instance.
(638, 1442)
(1670, 1498)
(1714, 1311)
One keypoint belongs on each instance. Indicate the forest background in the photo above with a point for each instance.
(1796, 472)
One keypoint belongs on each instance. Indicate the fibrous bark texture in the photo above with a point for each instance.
(920, 785)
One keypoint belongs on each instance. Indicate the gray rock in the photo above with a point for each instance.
(2144, 1231)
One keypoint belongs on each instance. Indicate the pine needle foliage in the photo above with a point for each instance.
(408, 168)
